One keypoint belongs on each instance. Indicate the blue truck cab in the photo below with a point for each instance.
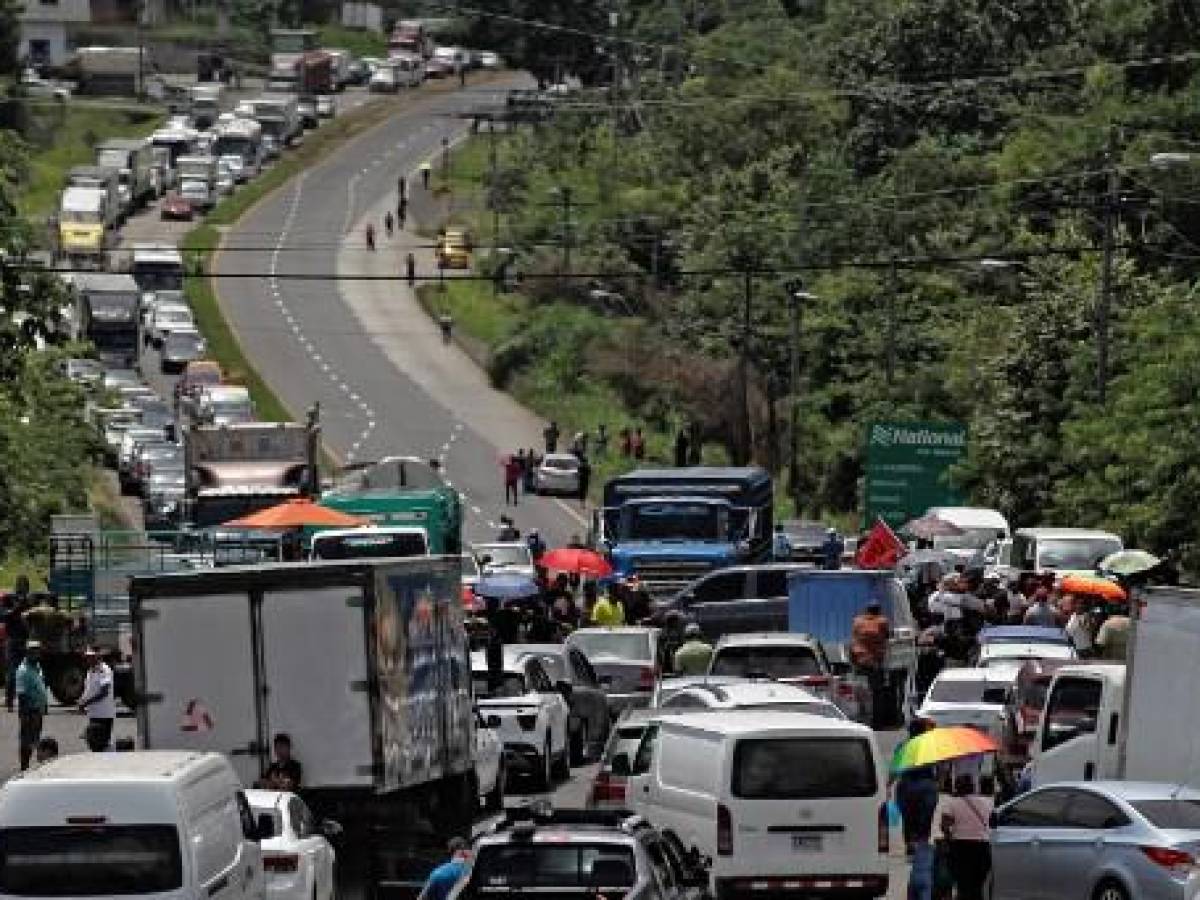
(670, 526)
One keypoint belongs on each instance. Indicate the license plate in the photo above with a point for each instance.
(806, 843)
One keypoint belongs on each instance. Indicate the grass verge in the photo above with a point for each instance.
(65, 135)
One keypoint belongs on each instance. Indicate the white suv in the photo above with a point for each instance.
(528, 712)
(797, 659)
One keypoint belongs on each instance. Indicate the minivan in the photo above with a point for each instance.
(789, 804)
(167, 824)
(1061, 550)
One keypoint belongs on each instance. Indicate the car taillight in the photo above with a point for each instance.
(724, 831)
(885, 841)
(606, 790)
(281, 862)
(527, 721)
(1168, 858)
(845, 690)
(646, 678)
(815, 681)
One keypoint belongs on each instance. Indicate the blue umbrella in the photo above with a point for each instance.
(508, 587)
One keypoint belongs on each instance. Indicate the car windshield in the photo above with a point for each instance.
(90, 861)
(948, 691)
(627, 740)
(803, 768)
(183, 342)
(500, 557)
(1175, 814)
(766, 662)
(510, 684)
(562, 463)
(595, 645)
(524, 865)
(971, 539)
(368, 545)
(679, 521)
(1074, 553)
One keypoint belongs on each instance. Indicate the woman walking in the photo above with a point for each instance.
(964, 823)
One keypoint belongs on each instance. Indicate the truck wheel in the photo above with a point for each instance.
(67, 683)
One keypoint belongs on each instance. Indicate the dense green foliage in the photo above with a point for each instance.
(45, 445)
(934, 172)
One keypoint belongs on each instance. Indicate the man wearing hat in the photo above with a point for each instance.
(696, 653)
(32, 700)
(98, 703)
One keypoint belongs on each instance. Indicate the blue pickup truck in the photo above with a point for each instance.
(670, 526)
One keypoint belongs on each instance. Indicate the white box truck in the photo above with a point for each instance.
(1135, 721)
(364, 665)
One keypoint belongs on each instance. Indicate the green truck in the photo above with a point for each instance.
(400, 491)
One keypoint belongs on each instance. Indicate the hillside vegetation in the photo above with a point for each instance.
(937, 175)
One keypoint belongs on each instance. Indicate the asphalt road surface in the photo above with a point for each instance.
(385, 382)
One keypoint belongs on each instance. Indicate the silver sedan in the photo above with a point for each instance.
(1097, 840)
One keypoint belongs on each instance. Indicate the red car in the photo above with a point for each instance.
(175, 206)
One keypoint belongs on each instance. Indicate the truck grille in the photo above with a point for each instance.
(670, 573)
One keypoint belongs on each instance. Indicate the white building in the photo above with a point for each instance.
(45, 29)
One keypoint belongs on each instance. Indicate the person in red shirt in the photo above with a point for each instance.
(512, 478)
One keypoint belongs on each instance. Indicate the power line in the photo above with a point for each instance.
(907, 262)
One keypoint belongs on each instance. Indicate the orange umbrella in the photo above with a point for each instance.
(298, 513)
(1094, 586)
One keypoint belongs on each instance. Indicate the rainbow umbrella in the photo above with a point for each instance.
(941, 745)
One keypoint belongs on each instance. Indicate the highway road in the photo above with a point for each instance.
(364, 350)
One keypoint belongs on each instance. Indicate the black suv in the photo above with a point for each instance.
(561, 854)
(729, 601)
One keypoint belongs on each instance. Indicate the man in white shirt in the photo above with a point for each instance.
(98, 703)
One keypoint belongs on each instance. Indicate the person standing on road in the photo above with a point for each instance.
(401, 213)
(917, 799)
(694, 656)
(869, 635)
(425, 171)
(551, 435)
(401, 189)
(410, 269)
(285, 772)
(585, 478)
(781, 544)
(445, 878)
(388, 223)
(98, 703)
(964, 823)
(608, 611)
(370, 236)
(32, 701)
(681, 449)
(512, 478)
(16, 635)
(1041, 613)
(832, 550)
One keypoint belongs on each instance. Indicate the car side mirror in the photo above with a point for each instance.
(621, 766)
(564, 688)
(492, 721)
(265, 827)
(331, 829)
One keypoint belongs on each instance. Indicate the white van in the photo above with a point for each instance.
(167, 824)
(782, 803)
(978, 527)
(1062, 550)
(1079, 735)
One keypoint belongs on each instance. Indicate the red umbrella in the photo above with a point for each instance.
(574, 559)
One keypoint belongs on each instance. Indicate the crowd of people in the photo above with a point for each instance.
(952, 610)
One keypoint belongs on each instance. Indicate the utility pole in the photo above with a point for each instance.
(1112, 201)
(795, 296)
(564, 196)
(744, 361)
(493, 185)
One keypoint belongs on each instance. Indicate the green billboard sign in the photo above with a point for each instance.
(906, 468)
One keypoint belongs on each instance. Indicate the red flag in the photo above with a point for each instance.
(881, 550)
